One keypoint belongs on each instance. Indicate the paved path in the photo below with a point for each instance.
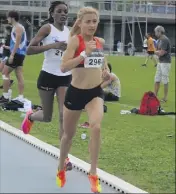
(25, 169)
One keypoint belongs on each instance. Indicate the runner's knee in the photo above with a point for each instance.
(95, 126)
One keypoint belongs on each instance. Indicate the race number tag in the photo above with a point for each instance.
(59, 53)
(93, 62)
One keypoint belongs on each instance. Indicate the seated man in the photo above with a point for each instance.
(112, 87)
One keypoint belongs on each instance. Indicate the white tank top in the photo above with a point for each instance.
(52, 57)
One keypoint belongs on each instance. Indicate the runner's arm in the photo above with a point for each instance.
(68, 60)
(105, 66)
(6, 47)
(34, 47)
(18, 32)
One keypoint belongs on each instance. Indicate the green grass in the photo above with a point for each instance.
(134, 148)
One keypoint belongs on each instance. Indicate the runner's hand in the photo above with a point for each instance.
(90, 46)
(11, 58)
(59, 45)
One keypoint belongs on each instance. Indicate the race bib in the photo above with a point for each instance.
(59, 53)
(93, 62)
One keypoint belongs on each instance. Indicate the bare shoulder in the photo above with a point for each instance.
(45, 28)
(19, 28)
(102, 40)
(73, 41)
(44, 31)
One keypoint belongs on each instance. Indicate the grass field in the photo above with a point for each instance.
(134, 148)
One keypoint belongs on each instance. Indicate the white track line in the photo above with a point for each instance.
(116, 183)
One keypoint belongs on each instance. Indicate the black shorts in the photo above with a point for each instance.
(145, 48)
(110, 97)
(76, 99)
(47, 81)
(4, 59)
(17, 61)
(151, 52)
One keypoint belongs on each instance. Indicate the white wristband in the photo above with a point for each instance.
(83, 54)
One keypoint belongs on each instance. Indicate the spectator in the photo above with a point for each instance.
(164, 54)
(112, 87)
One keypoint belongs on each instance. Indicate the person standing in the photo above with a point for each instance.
(6, 51)
(164, 56)
(54, 35)
(85, 57)
(150, 50)
(18, 46)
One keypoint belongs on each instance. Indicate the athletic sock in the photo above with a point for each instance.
(21, 96)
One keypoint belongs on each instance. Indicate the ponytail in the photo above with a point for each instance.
(75, 30)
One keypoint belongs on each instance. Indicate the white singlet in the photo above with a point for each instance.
(52, 60)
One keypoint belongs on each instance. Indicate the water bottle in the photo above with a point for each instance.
(10, 94)
(83, 136)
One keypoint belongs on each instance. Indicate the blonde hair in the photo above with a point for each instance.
(85, 10)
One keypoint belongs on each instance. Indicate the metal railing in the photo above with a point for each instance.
(103, 6)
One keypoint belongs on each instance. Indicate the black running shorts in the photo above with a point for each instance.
(17, 61)
(76, 99)
(47, 81)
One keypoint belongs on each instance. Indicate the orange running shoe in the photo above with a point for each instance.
(95, 183)
(27, 124)
(60, 178)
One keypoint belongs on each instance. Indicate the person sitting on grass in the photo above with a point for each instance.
(112, 91)
(112, 87)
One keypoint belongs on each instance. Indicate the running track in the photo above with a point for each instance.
(25, 169)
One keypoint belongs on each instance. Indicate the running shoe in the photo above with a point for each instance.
(3, 100)
(95, 183)
(27, 124)
(68, 164)
(60, 178)
(84, 125)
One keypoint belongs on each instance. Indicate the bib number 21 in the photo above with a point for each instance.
(59, 53)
